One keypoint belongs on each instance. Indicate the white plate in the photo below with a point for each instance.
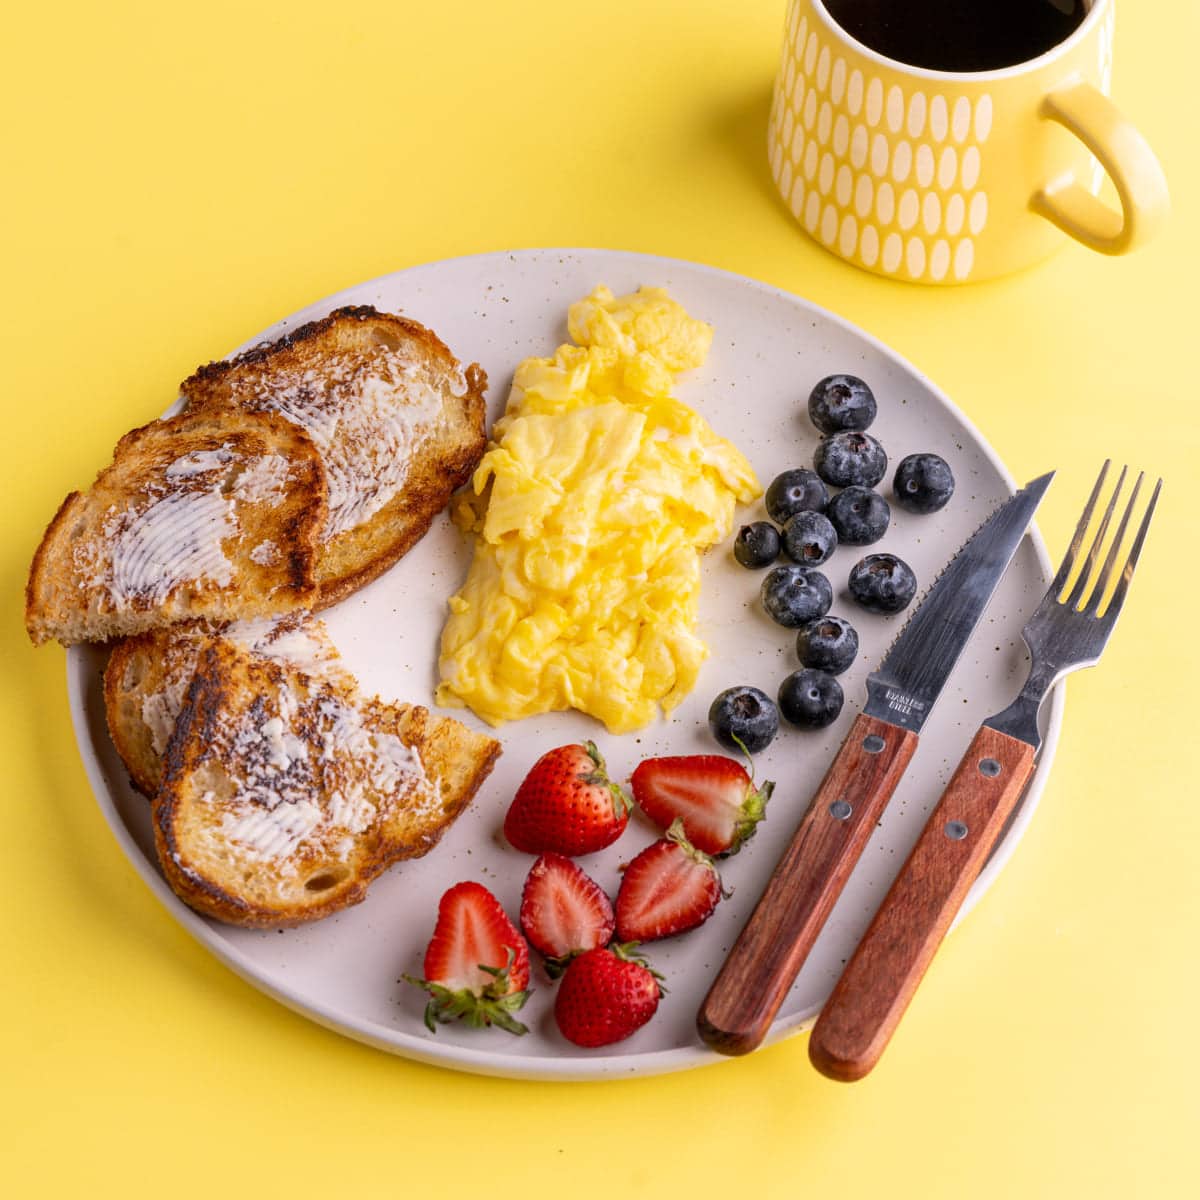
(770, 348)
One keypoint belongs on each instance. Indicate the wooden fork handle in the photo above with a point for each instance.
(883, 974)
(771, 949)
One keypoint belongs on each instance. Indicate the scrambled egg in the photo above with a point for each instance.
(590, 507)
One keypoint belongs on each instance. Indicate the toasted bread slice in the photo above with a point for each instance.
(147, 677)
(398, 426)
(203, 515)
(284, 796)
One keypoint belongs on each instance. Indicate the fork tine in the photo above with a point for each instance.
(1068, 561)
(1118, 596)
(1093, 604)
(1094, 553)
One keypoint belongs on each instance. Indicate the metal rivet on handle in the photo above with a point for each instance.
(955, 831)
(989, 767)
(840, 810)
(873, 743)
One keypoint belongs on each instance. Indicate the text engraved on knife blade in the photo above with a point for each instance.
(904, 705)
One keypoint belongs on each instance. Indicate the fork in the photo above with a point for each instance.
(1068, 630)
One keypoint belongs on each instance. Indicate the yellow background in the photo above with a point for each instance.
(176, 177)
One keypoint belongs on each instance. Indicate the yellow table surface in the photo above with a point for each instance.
(178, 177)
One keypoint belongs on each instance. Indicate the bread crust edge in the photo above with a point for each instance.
(39, 635)
(300, 589)
(261, 351)
(121, 653)
(202, 704)
(452, 473)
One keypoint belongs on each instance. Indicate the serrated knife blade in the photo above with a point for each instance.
(766, 958)
(903, 688)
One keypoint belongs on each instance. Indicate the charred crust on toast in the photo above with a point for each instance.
(59, 604)
(198, 720)
(302, 555)
(212, 900)
(359, 555)
(144, 666)
(224, 679)
(213, 371)
(201, 708)
(201, 692)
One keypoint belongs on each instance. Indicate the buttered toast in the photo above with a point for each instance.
(147, 677)
(398, 426)
(203, 515)
(283, 796)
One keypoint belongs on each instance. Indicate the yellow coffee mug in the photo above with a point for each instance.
(942, 177)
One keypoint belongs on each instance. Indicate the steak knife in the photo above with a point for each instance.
(769, 952)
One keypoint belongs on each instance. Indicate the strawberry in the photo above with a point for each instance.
(567, 804)
(476, 964)
(563, 912)
(669, 888)
(606, 994)
(712, 795)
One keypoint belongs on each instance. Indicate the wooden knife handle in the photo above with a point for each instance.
(768, 954)
(879, 981)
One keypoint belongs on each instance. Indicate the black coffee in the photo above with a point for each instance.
(959, 35)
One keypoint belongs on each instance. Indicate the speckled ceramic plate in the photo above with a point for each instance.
(770, 347)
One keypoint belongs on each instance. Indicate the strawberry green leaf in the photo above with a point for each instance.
(493, 1005)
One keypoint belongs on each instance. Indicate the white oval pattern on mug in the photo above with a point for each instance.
(837, 84)
(858, 147)
(829, 224)
(868, 245)
(854, 92)
(882, 173)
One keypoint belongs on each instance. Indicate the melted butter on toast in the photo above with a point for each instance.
(298, 640)
(367, 417)
(284, 795)
(305, 774)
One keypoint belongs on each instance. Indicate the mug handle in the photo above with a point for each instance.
(1093, 118)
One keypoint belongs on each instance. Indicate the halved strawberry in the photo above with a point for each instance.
(476, 964)
(567, 804)
(712, 795)
(607, 994)
(669, 888)
(563, 911)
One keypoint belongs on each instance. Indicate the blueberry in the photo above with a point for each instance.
(793, 596)
(883, 583)
(848, 458)
(744, 714)
(827, 644)
(810, 699)
(841, 402)
(795, 491)
(757, 545)
(859, 515)
(923, 483)
(809, 539)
